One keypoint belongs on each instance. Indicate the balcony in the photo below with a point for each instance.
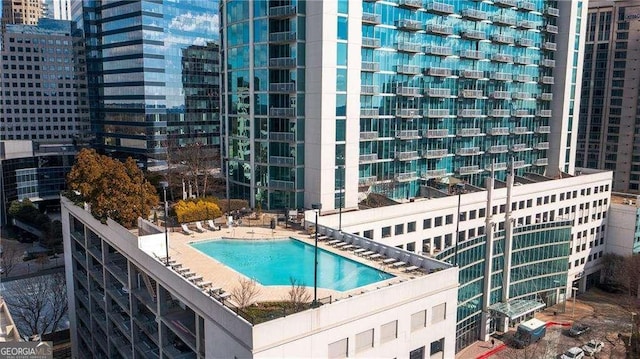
(524, 42)
(367, 158)
(408, 91)
(408, 69)
(542, 146)
(503, 39)
(549, 46)
(287, 87)
(469, 170)
(373, 19)
(283, 62)
(370, 112)
(282, 12)
(499, 131)
(524, 60)
(282, 136)
(468, 151)
(406, 177)
(499, 166)
(472, 54)
(439, 71)
(281, 161)
(408, 113)
(543, 129)
(438, 133)
(552, 29)
(503, 20)
(409, 47)
(409, 25)
(439, 92)
(283, 185)
(440, 153)
(474, 35)
(408, 134)
(552, 11)
(282, 112)
(438, 50)
(547, 80)
(439, 29)
(521, 130)
(502, 58)
(520, 113)
(522, 78)
(546, 96)
(499, 149)
(370, 66)
(369, 135)
(544, 113)
(410, 4)
(282, 37)
(541, 162)
(518, 164)
(500, 76)
(471, 93)
(527, 6)
(521, 95)
(438, 113)
(472, 74)
(470, 113)
(370, 42)
(434, 174)
(526, 24)
(469, 132)
(407, 155)
(473, 14)
(367, 181)
(369, 90)
(500, 113)
(518, 147)
(501, 95)
(548, 63)
(506, 3)
(439, 8)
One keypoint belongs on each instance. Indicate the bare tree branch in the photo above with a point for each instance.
(244, 294)
(10, 258)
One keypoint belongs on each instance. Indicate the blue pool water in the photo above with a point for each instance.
(275, 261)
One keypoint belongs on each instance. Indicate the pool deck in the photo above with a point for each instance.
(227, 279)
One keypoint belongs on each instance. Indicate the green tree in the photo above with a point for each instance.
(113, 189)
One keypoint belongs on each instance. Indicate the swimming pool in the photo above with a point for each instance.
(276, 261)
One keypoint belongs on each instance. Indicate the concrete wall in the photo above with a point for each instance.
(622, 229)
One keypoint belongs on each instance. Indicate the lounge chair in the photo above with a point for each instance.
(347, 247)
(340, 244)
(212, 226)
(186, 229)
(398, 264)
(389, 260)
(199, 227)
(411, 268)
(367, 253)
(360, 250)
(334, 241)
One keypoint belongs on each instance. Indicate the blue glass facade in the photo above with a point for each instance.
(154, 72)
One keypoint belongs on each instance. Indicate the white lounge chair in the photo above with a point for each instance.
(360, 250)
(333, 241)
(212, 226)
(186, 229)
(199, 227)
(398, 264)
(389, 260)
(411, 268)
(367, 253)
(375, 256)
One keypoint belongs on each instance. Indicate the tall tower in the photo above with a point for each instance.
(22, 12)
(140, 97)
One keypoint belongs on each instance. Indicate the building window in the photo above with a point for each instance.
(411, 227)
(399, 229)
(426, 224)
(449, 219)
(386, 232)
(439, 313)
(437, 347)
(389, 331)
(339, 349)
(364, 340)
(417, 353)
(418, 320)
(368, 234)
(438, 221)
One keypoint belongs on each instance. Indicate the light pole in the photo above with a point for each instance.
(166, 210)
(460, 189)
(316, 207)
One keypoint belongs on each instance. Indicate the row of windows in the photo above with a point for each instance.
(40, 110)
(36, 40)
(41, 136)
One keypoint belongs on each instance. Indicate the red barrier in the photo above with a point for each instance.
(558, 323)
(491, 352)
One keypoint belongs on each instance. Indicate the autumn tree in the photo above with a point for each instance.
(192, 210)
(113, 189)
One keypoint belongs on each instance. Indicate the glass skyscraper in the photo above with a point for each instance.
(153, 74)
(325, 102)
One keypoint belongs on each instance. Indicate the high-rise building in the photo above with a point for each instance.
(26, 12)
(58, 9)
(609, 134)
(327, 101)
(144, 75)
(43, 87)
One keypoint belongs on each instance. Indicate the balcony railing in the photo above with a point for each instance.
(506, 3)
(518, 164)
(521, 96)
(499, 149)
(282, 136)
(542, 146)
(370, 66)
(474, 14)
(367, 181)
(468, 170)
(502, 57)
(547, 80)
(282, 37)
(526, 24)
(439, 92)
(541, 162)
(548, 63)
(502, 39)
(408, 91)
(552, 11)
(407, 155)
(519, 147)
(470, 113)
(543, 129)
(500, 76)
(473, 54)
(411, 4)
(368, 18)
(439, 8)
(370, 42)
(439, 71)
(523, 60)
(524, 42)
(552, 29)
(499, 131)
(408, 113)
(500, 113)
(471, 93)
(472, 74)
(369, 112)
(468, 132)
(544, 113)
(407, 134)
(468, 151)
(527, 5)
(278, 184)
(283, 62)
(434, 174)
(474, 34)
(439, 50)
(520, 113)
(440, 153)
(283, 87)
(407, 176)
(369, 90)
(439, 29)
(546, 96)
(501, 95)
(499, 166)
(371, 157)
(368, 135)
(283, 11)
(550, 46)
(409, 47)
(438, 133)
(282, 112)
(438, 113)
(410, 25)
(503, 20)
(408, 69)
(520, 130)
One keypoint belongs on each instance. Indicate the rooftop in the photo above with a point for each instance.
(8, 330)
